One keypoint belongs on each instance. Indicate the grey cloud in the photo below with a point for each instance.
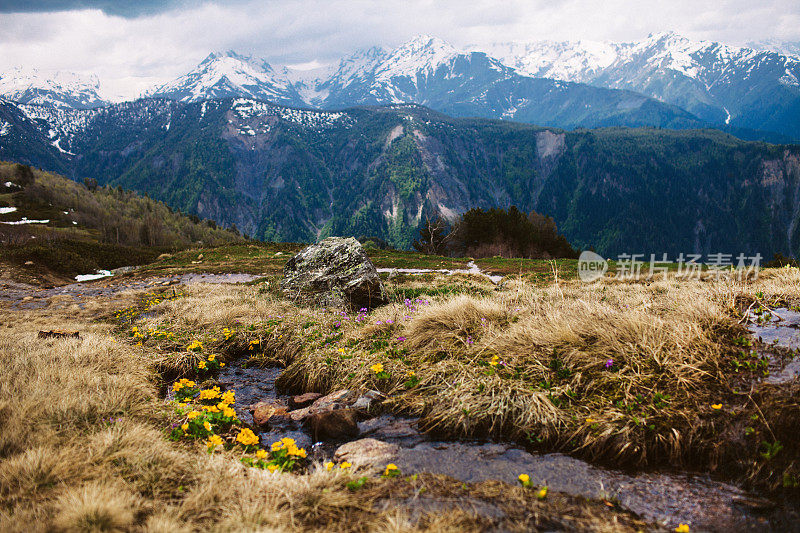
(124, 8)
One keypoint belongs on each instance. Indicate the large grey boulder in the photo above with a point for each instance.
(334, 273)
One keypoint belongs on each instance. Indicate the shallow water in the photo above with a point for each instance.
(781, 328)
(668, 498)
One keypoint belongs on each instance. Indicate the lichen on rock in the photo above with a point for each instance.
(335, 272)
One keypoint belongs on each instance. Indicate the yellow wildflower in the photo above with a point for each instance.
(716, 407)
(212, 357)
(524, 478)
(590, 420)
(391, 468)
(201, 365)
(195, 345)
(272, 468)
(210, 394)
(207, 425)
(185, 427)
(297, 452)
(345, 465)
(682, 528)
(228, 397)
(495, 360)
(377, 368)
(214, 440)
(542, 493)
(261, 454)
(230, 413)
(329, 466)
(277, 445)
(246, 437)
(193, 414)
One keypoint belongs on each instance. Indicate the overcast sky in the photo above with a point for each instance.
(134, 43)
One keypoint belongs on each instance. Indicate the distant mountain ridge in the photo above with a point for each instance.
(287, 174)
(744, 87)
(664, 80)
(427, 71)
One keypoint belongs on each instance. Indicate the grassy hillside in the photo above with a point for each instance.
(65, 228)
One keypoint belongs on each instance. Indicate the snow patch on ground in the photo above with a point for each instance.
(7, 210)
(89, 277)
(25, 221)
(473, 269)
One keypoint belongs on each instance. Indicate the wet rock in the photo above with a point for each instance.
(334, 400)
(370, 452)
(392, 428)
(334, 273)
(338, 424)
(304, 400)
(368, 400)
(269, 413)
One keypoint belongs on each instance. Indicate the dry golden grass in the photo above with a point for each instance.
(83, 446)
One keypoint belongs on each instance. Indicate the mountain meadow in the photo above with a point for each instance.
(373, 297)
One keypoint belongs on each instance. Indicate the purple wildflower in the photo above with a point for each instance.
(400, 339)
(609, 364)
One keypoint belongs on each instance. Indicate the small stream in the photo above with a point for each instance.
(778, 328)
(668, 498)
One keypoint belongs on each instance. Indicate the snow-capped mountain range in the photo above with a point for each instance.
(684, 83)
(714, 81)
(59, 89)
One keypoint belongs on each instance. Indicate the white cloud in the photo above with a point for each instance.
(132, 52)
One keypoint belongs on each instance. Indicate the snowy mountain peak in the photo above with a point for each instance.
(231, 57)
(230, 74)
(423, 52)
